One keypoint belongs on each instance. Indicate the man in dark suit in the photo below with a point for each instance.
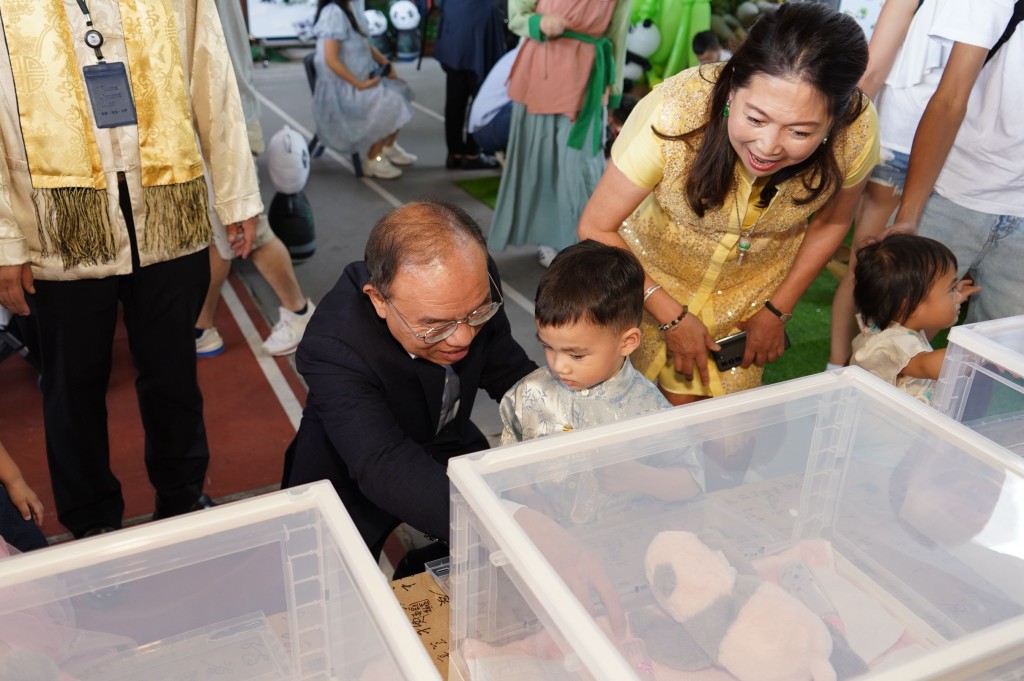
(393, 358)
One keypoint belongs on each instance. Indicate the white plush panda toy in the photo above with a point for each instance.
(377, 26)
(406, 20)
(642, 41)
(760, 632)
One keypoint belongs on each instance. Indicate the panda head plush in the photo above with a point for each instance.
(376, 22)
(404, 15)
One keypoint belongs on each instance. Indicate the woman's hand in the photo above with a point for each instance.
(687, 345)
(766, 338)
(552, 26)
(368, 83)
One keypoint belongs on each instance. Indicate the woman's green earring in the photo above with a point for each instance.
(725, 111)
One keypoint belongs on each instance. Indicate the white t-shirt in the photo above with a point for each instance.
(985, 168)
(912, 81)
(493, 93)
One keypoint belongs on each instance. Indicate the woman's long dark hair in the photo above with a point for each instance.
(805, 41)
(346, 7)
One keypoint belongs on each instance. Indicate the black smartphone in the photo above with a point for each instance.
(732, 348)
(381, 70)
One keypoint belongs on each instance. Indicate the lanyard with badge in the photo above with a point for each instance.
(107, 82)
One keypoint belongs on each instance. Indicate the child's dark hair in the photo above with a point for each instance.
(704, 41)
(894, 275)
(592, 282)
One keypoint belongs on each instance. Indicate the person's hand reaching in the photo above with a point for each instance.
(25, 500)
(581, 569)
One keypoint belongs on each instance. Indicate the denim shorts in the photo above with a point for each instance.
(892, 170)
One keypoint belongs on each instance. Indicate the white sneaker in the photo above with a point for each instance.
(209, 344)
(398, 156)
(287, 333)
(545, 254)
(381, 168)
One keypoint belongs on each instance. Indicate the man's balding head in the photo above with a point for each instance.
(424, 234)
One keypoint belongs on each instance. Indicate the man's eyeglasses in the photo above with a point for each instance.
(436, 334)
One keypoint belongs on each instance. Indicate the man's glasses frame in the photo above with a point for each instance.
(436, 334)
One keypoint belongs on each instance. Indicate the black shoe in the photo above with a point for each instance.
(453, 162)
(96, 531)
(481, 162)
(204, 501)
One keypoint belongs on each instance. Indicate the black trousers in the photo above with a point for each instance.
(460, 87)
(76, 321)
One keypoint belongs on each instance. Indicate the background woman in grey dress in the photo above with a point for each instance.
(355, 109)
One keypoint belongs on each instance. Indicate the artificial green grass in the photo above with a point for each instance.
(484, 189)
(808, 330)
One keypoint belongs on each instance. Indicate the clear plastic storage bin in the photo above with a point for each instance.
(846, 531)
(277, 587)
(982, 380)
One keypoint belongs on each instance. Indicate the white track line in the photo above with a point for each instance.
(278, 383)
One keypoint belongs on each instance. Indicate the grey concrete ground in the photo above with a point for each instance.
(345, 207)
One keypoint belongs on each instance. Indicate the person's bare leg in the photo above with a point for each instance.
(378, 146)
(219, 269)
(877, 205)
(275, 266)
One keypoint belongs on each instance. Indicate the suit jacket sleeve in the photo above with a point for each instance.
(506, 362)
(389, 468)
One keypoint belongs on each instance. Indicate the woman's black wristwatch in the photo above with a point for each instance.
(783, 316)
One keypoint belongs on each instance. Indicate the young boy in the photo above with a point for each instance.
(588, 310)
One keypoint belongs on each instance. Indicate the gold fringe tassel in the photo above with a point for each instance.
(75, 225)
(177, 217)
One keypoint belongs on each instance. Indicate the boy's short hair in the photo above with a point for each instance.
(704, 41)
(893, 276)
(593, 282)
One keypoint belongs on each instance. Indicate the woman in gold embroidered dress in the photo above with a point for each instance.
(734, 183)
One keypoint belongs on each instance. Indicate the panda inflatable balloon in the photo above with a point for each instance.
(288, 161)
(290, 214)
(377, 26)
(406, 20)
(642, 41)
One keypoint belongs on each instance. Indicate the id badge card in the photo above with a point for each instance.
(111, 95)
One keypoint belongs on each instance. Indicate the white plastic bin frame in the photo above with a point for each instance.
(982, 379)
(304, 536)
(490, 550)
